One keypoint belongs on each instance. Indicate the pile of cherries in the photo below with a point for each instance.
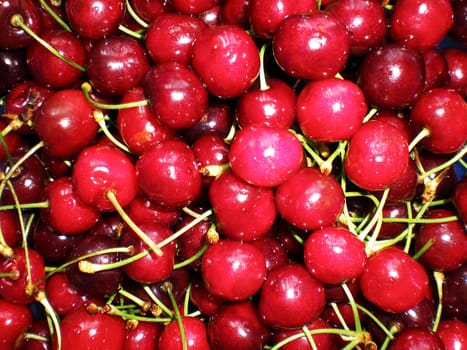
(233, 174)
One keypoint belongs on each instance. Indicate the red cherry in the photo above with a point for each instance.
(453, 333)
(236, 12)
(417, 339)
(436, 69)
(142, 209)
(203, 299)
(460, 198)
(312, 46)
(226, 51)
(392, 229)
(377, 156)
(274, 253)
(143, 336)
(14, 320)
(458, 30)
(393, 280)
(195, 335)
(455, 294)
(150, 10)
(456, 60)
(309, 199)
(210, 149)
(13, 69)
(193, 6)
(10, 228)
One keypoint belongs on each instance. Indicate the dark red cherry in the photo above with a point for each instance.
(377, 155)
(178, 282)
(65, 122)
(237, 325)
(458, 30)
(226, 51)
(116, 64)
(150, 10)
(212, 16)
(453, 333)
(436, 69)
(170, 37)
(196, 336)
(392, 229)
(459, 198)
(142, 209)
(10, 228)
(95, 19)
(455, 294)
(274, 253)
(193, 6)
(13, 140)
(404, 188)
(210, 149)
(393, 280)
(456, 60)
(14, 320)
(421, 24)
(243, 211)
(176, 95)
(12, 69)
(312, 46)
(392, 76)
(142, 336)
(417, 339)
(330, 110)
(50, 70)
(102, 169)
(309, 199)
(236, 12)
(290, 297)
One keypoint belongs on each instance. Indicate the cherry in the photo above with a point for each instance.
(377, 156)
(94, 19)
(404, 188)
(14, 320)
(392, 76)
(330, 110)
(202, 298)
(212, 16)
(453, 333)
(39, 328)
(167, 174)
(226, 51)
(456, 60)
(455, 294)
(392, 229)
(274, 253)
(329, 246)
(436, 69)
(290, 297)
(237, 325)
(309, 199)
(12, 68)
(393, 280)
(65, 123)
(143, 336)
(266, 15)
(170, 37)
(458, 30)
(236, 12)
(417, 338)
(99, 170)
(176, 95)
(177, 282)
(210, 149)
(193, 6)
(233, 270)
(12, 139)
(459, 198)
(116, 64)
(421, 24)
(243, 211)
(150, 10)
(10, 228)
(40, 60)
(312, 46)
(265, 156)
(142, 209)
(196, 337)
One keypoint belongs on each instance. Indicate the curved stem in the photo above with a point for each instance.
(135, 16)
(86, 89)
(132, 33)
(425, 132)
(263, 85)
(99, 117)
(439, 279)
(54, 15)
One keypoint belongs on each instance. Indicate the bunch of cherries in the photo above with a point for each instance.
(233, 174)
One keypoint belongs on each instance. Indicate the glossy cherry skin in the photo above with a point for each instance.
(237, 325)
(142, 209)
(233, 270)
(226, 51)
(417, 339)
(444, 113)
(94, 19)
(65, 123)
(377, 156)
(449, 249)
(309, 199)
(274, 253)
(456, 60)
(10, 228)
(12, 139)
(210, 149)
(170, 37)
(150, 10)
(243, 211)
(14, 320)
(453, 333)
(312, 46)
(50, 70)
(392, 76)
(236, 12)
(455, 294)
(393, 280)
(266, 15)
(459, 198)
(265, 156)
(202, 299)
(167, 174)
(12, 68)
(100, 169)
(143, 336)
(436, 69)
(195, 333)
(290, 297)
(330, 110)
(66, 212)
(364, 19)
(116, 64)
(193, 7)
(176, 95)
(421, 24)
(329, 246)
(91, 331)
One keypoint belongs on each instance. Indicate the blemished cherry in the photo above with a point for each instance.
(237, 325)
(65, 123)
(455, 294)
(456, 60)
(377, 156)
(459, 198)
(176, 94)
(392, 76)
(312, 46)
(116, 64)
(393, 280)
(143, 336)
(243, 211)
(453, 333)
(12, 68)
(168, 175)
(421, 24)
(330, 110)
(265, 156)
(14, 320)
(233, 270)
(309, 199)
(226, 51)
(325, 248)
(94, 19)
(417, 339)
(195, 335)
(170, 37)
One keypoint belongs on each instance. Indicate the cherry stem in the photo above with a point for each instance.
(370, 114)
(135, 34)
(230, 136)
(5, 146)
(341, 332)
(309, 337)
(143, 304)
(263, 85)
(326, 166)
(41, 298)
(54, 15)
(458, 156)
(305, 144)
(89, 267)
(159, 303)
(86, 88)
(348, 293)
(114, 311)
(135, 16)
(375, 222)
(24, 206)
(425, 132)
(100, 118)
(192, 258)
(178, 318)
(13, 275)
(20, 161)
(375, 319)
(439, 279)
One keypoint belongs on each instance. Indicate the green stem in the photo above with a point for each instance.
(263, 85)
(135, 16)
(24, 206)
(458, 156)
(423, 249)
(86, 89)
(159, 303)
(353, 305)
(192, 258)
(99, 117)
(425, 132)
(375, 319)
(137, 35)
(178, 318)
(54, 15)
(439, 279)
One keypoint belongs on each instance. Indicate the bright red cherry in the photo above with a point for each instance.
(456, 60)
(14, 320)
(417, 339)
(142, 336)
(236, 12)
(453, 334)
(194, 7)
(196, 336)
